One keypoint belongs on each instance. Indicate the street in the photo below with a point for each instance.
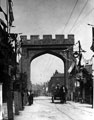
(44, 109)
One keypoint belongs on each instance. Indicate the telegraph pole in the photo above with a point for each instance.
(82, 91)
(9, 89)
(93, 64)
(93, 80)
(80, 55)
(79, 63)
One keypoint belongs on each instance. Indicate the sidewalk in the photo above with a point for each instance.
(82, 106)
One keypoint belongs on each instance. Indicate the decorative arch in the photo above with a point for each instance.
(34, 47)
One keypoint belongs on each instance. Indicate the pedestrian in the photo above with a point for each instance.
(30, 98)
(63, 92)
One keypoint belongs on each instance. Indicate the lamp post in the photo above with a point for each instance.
(14, 37)
(93, 79)
(17, 93)
(92, 48)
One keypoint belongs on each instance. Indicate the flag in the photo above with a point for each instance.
(79, 63)
(71, 67)
(11, 17)
(93, 34)
(92, 47)
(3, 24)
(13, 37)
(1, 10)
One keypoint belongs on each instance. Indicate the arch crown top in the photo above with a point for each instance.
(47, 39)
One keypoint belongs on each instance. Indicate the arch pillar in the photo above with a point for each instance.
(25, 67)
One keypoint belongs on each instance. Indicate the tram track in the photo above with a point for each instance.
(78, 108)
(67, 109)
(73, 106)
(64, 112)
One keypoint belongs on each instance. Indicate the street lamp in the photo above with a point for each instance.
(92, 47)
(90, 25)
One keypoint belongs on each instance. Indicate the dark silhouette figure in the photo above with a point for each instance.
(30, 98)
(63, 92)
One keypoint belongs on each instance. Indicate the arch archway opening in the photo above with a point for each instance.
(43, 67)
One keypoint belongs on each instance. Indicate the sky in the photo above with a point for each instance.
(54, 17)
(44, 67)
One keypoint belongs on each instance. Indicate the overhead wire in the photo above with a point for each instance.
(48, 63)
(84, 17)
(67, 49)
(89, 12)
(70, 16)
(45, 65)
(78, 16)
(51, 64)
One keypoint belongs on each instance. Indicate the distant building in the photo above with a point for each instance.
(89, 68)
(57, 78)
(88, 83)
(80, 85)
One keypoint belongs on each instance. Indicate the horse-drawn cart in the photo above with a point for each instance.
(59, 93)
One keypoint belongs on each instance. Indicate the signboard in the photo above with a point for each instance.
(0, 101)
